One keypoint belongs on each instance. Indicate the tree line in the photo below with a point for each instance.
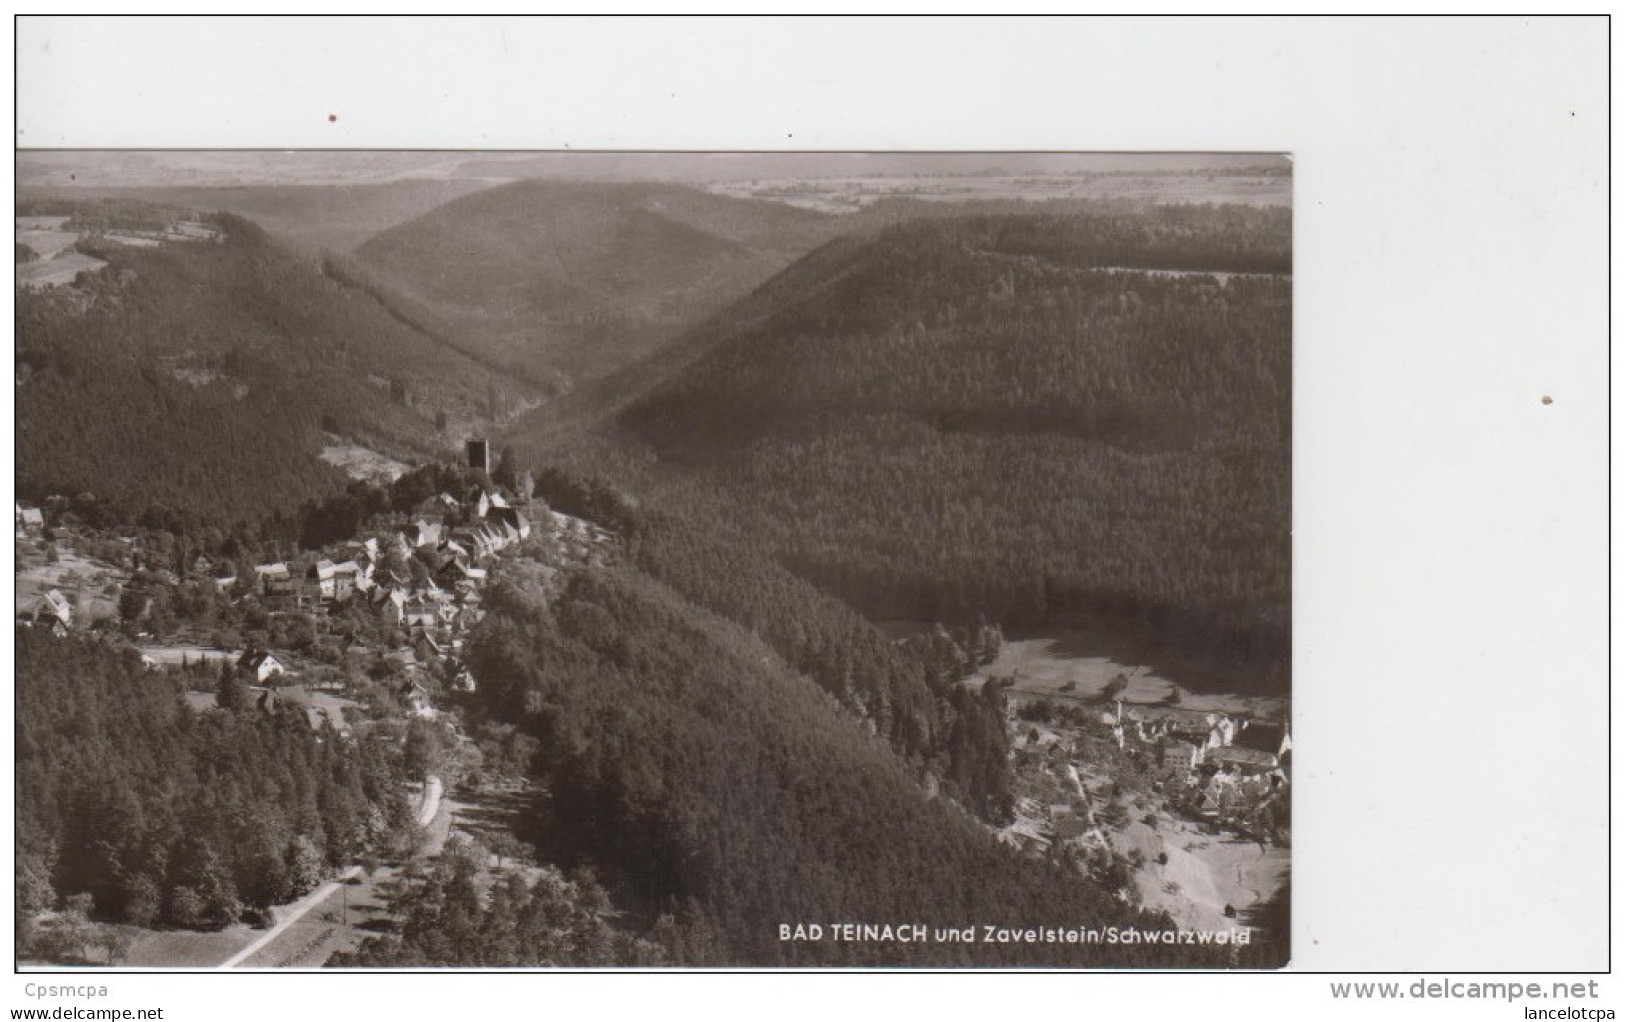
(168, 816)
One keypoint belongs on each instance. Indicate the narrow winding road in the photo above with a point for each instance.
(432, 792)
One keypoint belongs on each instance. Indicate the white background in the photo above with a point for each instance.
(1450, 529)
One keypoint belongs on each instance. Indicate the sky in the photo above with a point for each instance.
(159, 168)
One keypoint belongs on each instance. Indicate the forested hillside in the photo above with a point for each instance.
(700, 777)
(1005, 416)
(582, 277)
(909, 693)
(163, 814)
(200, 378)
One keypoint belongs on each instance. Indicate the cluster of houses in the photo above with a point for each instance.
(422, 574)
(423, 577)
(1236, 765)
(1229, 768)
(1186, 741)
(452, 539)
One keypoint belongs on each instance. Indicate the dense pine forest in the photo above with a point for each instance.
(165, 815)
(700, 776)
(908, 693)
(200, 379)
(961, 422)
(1001, 416)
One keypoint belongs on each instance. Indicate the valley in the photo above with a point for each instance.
(449, 563)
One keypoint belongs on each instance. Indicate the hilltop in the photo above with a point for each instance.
(576, 276)
(314, 217)
(206, 378)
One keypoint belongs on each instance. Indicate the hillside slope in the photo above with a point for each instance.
(699, 776)
(583, 277)
(314, 217)
(202, 378)
(1010, 416)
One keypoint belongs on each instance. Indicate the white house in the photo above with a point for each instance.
(261, 664)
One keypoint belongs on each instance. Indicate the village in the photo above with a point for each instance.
(363, 640)
(1184, 808)
(384, 615)
(1177, 803)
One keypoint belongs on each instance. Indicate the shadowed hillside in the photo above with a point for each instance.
(999, 415)
(201, 379)
(583, 277)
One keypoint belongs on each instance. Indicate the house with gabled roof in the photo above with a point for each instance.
(425, 646)
(1237, 760)
(260, 665)
(1267, 737)
(1181, 756)
(321, 577)
(510, 517)
(423, 533)
(276, 581)
(395, 603)
(346, 578)
(52, 610)
(53, 604)
(30, 521)
(417, 699)
(421, 618)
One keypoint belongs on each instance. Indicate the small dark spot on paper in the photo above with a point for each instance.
(1546, 399)
(331, 118)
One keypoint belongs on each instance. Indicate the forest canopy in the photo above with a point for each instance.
(1005, 416)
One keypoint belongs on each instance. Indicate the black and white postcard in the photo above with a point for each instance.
(654, 559)
(577, 495)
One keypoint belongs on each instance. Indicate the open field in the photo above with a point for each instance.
(91, 586)
(47, 244)
(132, 240)
(64, 269)
(850, 194)
(359, 462)
(1067, 665)
(178, 654)
(186, 949)
(1204, 873)
(333, 706)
